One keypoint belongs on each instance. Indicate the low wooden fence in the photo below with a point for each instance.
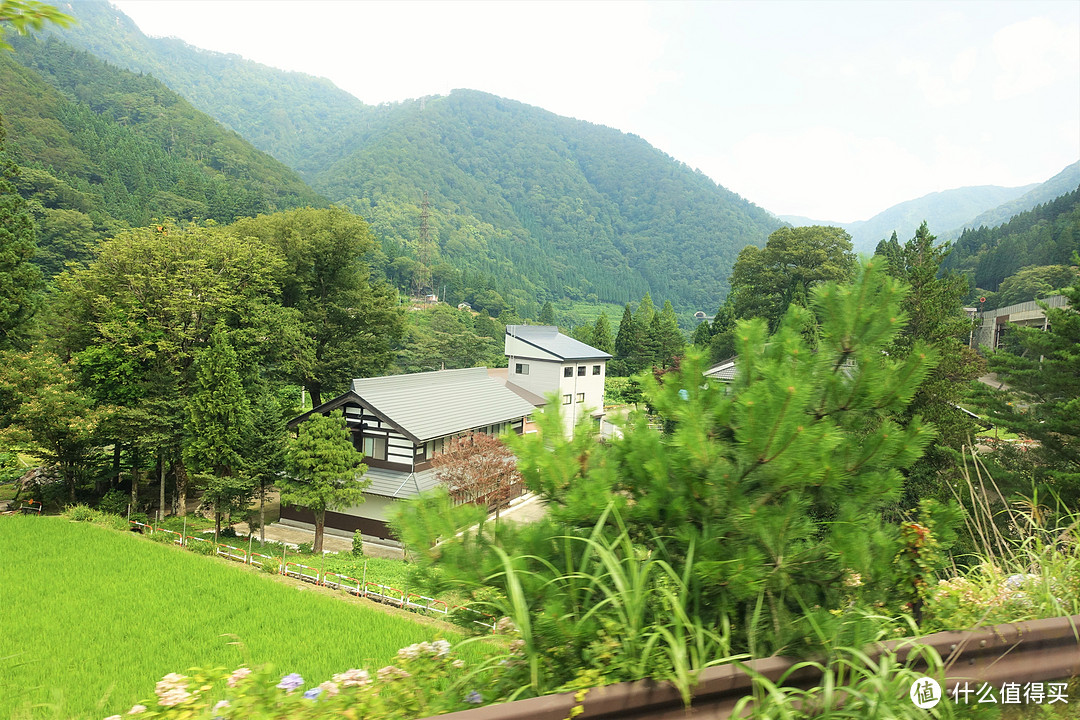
(364, 588)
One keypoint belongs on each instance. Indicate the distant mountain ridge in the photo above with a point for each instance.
(521, 202)
(941, 210)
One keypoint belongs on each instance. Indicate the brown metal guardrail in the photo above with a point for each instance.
(1031, 651)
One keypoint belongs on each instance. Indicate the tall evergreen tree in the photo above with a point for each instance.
(702, 334)
(219, 427)
(626, 341)
(20, 279)
(547, 314)
(672, 342)
(325, 471)
(601, 335)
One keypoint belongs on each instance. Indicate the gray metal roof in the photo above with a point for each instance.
(397, 484)
(435, 404)
(548, 337)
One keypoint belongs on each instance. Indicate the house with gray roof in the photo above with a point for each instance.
(543, 361)
(399, 423)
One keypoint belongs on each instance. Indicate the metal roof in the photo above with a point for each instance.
(397, 484)
(435, 404)
(548, 337)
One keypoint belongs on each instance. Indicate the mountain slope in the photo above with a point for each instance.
(1064, 182)
(301, 120)
(941, 210)
(579, 209)
(102, 148)
(525, 206)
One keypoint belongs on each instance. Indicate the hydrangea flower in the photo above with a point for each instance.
(353, 678)
(330, 688)
(172, 690)
(474, 698)
(389, 673)
(290, 682)
(313, 693)
(238, 675)
(221, 704)
(136, 709)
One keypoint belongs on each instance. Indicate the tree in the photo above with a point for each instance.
(765, 281)
(478, 468)
(702, 335)
(20, 280)
(1040, 398)
(547, 314)
(626, 343)
(672, 342)
(137, 315)
(219, 427)
(324, 470)
(353, 319)
(26, 15)
(764, 498)
(601, 335)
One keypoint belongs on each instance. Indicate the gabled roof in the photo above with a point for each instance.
(548, 338)
(435, 404)
(397, 484)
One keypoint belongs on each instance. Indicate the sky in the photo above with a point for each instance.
(829, 110)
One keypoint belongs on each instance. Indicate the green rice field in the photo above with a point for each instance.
(91, 618)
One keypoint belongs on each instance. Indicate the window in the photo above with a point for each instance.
(521, 369)
(566, 399)
(374, 447)
(568, 372)
(581, 397)
(581, 371)
(595, 369)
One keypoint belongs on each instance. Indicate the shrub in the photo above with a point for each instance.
(201, 547)
(82, 513)
(271, 567)
(358, 544)
(229, 532)
(113, 502)
(304, 549)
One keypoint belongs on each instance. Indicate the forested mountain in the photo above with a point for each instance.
(102, 148)
(1062, 183)
(1047, 235)
(523, 205)
(946, 209)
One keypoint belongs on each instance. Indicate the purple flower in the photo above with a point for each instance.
(474, 698)
(313, 693)
(290, 682)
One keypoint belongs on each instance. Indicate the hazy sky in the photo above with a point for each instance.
(832, 110)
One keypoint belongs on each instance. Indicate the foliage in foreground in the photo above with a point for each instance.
(749, 525)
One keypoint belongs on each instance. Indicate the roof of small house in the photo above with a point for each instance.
(435, 404)
(396, 484)
(549, 339)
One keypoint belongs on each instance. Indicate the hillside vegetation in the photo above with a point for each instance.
(524, 206)
(102, 148)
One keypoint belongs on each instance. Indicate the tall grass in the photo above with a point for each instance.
(94, 617)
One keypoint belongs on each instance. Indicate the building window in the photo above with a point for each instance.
(521, 369)
(581, 397)
(566, 399)
(568, 372)
(581, 371)
(374, 447)
(595, 369)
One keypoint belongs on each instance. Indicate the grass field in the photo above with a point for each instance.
(92, 618)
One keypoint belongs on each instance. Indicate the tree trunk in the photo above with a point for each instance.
(181, 487)
(315, 391)
(134, 481)
(116, 463)
(262, 513)
(161, 475)
(320, 524)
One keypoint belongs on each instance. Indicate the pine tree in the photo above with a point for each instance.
(601, 336)
(672, 342)
(325, 470)
(702, 334)
(1042, 400)
(219, 427)
(20, 279)
(547, 314)
(626, 342)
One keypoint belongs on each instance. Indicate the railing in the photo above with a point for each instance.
(363, 588)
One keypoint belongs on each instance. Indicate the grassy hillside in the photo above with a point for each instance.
(102, 148)
(97, 617)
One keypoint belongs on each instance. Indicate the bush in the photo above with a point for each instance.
(82, 513)
(201, 547)
(229, 532)
(270, 567)
(139, 517)
(358, 544)
(114, 502)
(304, 549)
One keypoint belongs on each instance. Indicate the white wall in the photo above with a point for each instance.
(592, 386)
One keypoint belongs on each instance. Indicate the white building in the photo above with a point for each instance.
(543, 361)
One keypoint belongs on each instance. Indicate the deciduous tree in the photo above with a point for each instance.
(478, 468)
